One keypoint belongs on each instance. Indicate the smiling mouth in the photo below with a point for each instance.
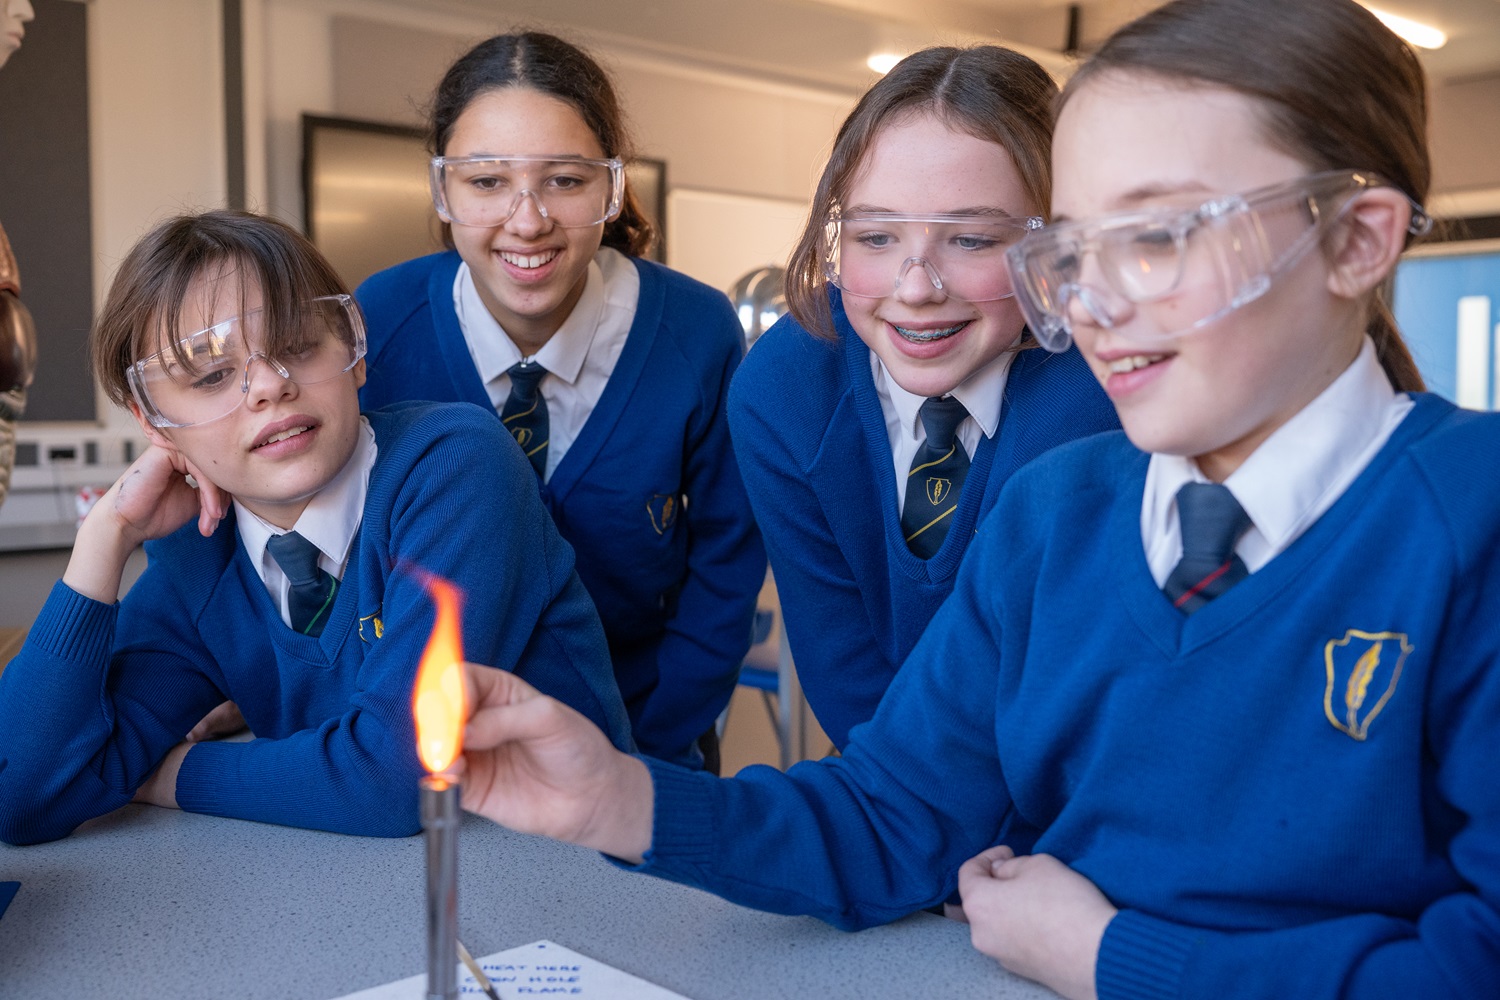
(1125, 365)
(529, 261)
(280, 436)
(927, 336)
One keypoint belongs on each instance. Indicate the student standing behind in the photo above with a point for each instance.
(876, 425)
(290, 578)
(609, 370)
(1240, 671)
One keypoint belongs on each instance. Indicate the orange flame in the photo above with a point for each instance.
(437, 701)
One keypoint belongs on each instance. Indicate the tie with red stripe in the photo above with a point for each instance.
(1212, 524)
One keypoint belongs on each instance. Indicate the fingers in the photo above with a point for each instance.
(222, 721)
(503, 708)
(498, 723)
(983, 866)
(213, 503)
(487, 686)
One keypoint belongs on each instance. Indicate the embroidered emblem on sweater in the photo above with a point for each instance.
(1363, 670)
(371, 627)
(662, 510)
(938, 490)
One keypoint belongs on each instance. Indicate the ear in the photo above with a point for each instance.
(155, 435)
(1368, 242)
(359, 374)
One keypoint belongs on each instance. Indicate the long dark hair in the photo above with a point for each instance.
(1337, 87)
(552, 66)
(989, 92)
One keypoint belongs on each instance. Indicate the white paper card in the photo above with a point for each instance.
(539, 969)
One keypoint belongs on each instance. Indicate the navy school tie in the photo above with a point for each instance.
(313, 589)
(936, 478)
(1212, 524)
(525, 413)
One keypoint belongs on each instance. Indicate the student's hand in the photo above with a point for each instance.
(224, 720)
(152, 499)
(1037, 917)
(161, 788)
(535, 765)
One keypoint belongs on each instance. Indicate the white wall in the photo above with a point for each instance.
(156, 133)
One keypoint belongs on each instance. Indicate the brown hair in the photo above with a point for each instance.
(989, 92)
(1338, 88)
(144, 305)
(560, 69)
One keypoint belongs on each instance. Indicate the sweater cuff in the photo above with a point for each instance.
(73, 627)
(1142, 958)
(682, 829)
(199, 781)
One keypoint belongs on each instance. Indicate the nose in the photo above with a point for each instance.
(22, 10)
(267, 383)
(918, 282)
(528, 217)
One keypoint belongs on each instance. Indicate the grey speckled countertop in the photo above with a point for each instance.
(156, 903)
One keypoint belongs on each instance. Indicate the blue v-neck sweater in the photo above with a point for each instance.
(100, 692)
(816, 458)
(1291, 793)
(648, 494)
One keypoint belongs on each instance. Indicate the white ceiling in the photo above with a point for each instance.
(825, 42)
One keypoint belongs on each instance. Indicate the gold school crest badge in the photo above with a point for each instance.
(662, 510)
(371, 627)
(523, 436)
(1363, 670)
(938, 490)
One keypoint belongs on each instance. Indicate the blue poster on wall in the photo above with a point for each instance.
(1448, 307)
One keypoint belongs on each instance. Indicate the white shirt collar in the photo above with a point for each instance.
(1295, 475)
(981, 394)
(563, 354)
(331, 517)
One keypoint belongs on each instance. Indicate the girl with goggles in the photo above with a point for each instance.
(609, 371)
(1228, 684)
(876, 424)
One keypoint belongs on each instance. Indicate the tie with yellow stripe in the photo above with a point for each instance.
(525, 413)
(936, 478)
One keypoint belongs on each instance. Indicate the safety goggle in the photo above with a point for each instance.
(1198, 264)
(206, 376)
(876, 254)
(571, 191)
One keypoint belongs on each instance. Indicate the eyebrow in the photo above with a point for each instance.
(517, 156)
(989, 211)
(1148, 192)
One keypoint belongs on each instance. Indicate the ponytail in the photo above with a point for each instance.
(1390, 348)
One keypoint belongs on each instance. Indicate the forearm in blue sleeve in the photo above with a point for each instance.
(873, 835)
(82, 722)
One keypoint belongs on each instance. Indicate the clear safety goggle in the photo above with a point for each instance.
(1191, 266)
(571, 191)
(206, 376)
(875, 254)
